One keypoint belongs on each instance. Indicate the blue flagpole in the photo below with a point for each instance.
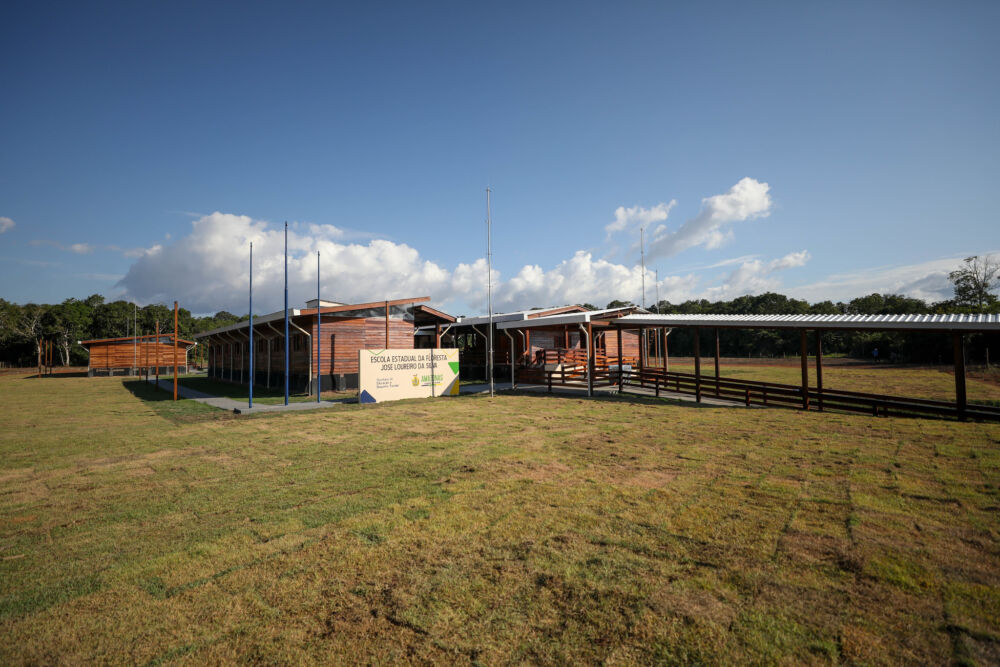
(319, 338)
(286, 315)
(251, 325)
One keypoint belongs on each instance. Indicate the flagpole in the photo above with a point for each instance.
(251, 325)
(286, 314)
(319, 338)
(489, 286)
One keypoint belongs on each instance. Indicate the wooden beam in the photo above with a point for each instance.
(805, 369)
(175, 350)
(663, 346)
(697, 364)
(387, 325)
(716, 361)
(590, 359)
(958, 342)
(437, 335)
(621, 371)
(666, 351)
(819, 369)
(642, 350)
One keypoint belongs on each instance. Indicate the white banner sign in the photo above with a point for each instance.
(389, 375)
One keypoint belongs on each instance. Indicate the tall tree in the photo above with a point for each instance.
(974, 283)
(23, 323)
(67, 323)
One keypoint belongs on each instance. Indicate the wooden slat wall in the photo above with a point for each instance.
(349, 336)
(630, 343)
(119, 354)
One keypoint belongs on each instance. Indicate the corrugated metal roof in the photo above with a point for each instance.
(515, 316)
(563, 318)
(950, 322)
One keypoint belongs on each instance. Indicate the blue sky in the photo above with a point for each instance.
(142, 146)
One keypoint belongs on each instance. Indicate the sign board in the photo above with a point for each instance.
(390, 375)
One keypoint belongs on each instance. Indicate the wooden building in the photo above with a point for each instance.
(344, 330)
(133, 355)
(539, 338)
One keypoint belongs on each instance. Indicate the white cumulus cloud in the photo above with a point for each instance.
(755, 276)
(922, 280)
(207, 270)
(6, 224)
(746, 200)
(637, 216)
(583, 279)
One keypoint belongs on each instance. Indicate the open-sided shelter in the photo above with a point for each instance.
(809, 394)
(344, 330)
(132, 355)
(570, 347)
(470, 336)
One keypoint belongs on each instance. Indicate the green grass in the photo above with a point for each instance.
(515, 529)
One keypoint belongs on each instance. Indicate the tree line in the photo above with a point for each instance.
(974, 285)
(23, 328)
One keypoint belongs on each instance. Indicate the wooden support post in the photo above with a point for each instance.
(642, 352)
(146, 362)
(958, 341)
(716, 361)
(819, 369)
(387, 325)
(175, 350)
(621, 365)
(566, 336)
(591, 366)
(805, 369)
(663, 338)
(697, 364)
(437, 335)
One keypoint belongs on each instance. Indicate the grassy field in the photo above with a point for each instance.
(515, 529)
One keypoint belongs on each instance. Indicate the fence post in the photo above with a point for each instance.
(697, 365)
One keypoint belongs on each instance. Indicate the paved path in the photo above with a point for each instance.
(240, 407)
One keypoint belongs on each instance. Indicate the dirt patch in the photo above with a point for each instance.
(541, 472)
(652, 479)
(694, 606)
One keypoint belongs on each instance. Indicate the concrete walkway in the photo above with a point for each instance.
(240, 406)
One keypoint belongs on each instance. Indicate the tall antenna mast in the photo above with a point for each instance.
(489, 287)
(656, 273)
(642, 256)
(250, 403)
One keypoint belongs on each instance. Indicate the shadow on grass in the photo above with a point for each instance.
(181, 411)
(57, 375)
(261, 395)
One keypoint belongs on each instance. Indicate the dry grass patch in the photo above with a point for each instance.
(517, 529)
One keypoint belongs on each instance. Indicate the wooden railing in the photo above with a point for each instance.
(752, 392)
